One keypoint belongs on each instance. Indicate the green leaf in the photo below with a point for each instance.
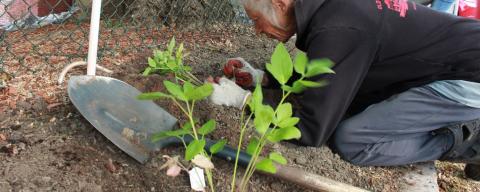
(179, 54)
(202, 92)
(284, 111)
(187, 126)
(306, 83)
(189, 90)
(252, 146)
(217, 147)
(175, 133)
(286, 133)
(208, 127)
(301, 62)
(280, 66)
(157, 55)
(256, 99)
(152, 96)
(186, 68)
(194, 148)
(266, 165)
(319, 66)
(296, 88)
(152, 63)
(263, 118)
(287, 88)
(290, 122)
(175, 90)
(277, 157)
(172, 65)
(171, 45)
(147, 71)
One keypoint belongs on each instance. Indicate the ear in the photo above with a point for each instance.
(281, 5)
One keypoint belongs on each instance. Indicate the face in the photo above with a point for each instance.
(286, 21)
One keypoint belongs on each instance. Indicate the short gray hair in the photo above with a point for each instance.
(264, 7)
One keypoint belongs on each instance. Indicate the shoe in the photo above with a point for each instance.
(466, 146)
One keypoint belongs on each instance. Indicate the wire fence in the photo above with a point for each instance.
(52, 29)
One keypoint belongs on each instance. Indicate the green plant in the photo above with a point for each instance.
(184, 96)
(189, 94)
(171, 61)
(275, 125)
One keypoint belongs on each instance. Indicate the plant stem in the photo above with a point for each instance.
(183, 141)
(262, 143)
(190, 117)
(239, 147)
(180, 106)
(251, 165)
(193, 78)
(253, 162)
(210, 179)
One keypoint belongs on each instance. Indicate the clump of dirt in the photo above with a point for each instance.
(58, 150)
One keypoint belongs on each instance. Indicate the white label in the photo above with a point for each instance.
(197, 179)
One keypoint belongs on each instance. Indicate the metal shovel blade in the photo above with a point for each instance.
(112, 107)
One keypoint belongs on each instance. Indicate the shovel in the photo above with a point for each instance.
(110, 105)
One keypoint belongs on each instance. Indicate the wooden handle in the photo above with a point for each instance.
(312, 181)
(287, 173)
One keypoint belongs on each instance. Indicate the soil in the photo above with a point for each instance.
(46, 145)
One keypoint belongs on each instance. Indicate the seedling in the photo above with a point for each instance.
(171, 61)
(275, 125)
(185, 98)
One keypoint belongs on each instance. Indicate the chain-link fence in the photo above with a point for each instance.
(53, 29)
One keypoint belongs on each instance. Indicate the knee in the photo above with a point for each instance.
(351, 153)
(344, 135)
(345, 143)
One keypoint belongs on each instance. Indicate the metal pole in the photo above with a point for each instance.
(93, 38)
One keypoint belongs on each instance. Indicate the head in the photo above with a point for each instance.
(274, 18)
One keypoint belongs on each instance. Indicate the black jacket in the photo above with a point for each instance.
(380, 47)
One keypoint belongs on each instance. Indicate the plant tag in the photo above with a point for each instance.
(197, 179)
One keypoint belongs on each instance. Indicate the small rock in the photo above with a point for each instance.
(110, 166)
(3, 137)
(22, 146)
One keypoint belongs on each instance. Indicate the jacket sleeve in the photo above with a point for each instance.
(321, 109)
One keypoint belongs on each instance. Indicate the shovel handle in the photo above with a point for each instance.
(311, 180)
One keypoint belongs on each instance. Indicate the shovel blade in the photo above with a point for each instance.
(112, 107)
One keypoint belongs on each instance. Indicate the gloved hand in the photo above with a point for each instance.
(243, 73)
(226, 92)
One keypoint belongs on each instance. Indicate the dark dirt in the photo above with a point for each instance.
(58, 150)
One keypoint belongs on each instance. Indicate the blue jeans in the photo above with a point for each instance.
(399, 130)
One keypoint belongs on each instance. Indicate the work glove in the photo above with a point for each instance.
(242, 72)
(226, 92)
